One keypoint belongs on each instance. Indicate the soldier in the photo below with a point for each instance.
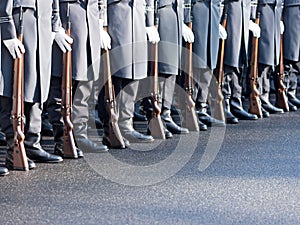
(207, 30)
(85, 31)
(171, 30)
(236, 57)
(128, 26)
(268, 49)
(40, 19)
(291, 49)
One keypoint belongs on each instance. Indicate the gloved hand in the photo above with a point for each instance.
(63, 40)
(105, 40)
(281, 27)
(187, 34)
(222, 32)
(255, 29)
(15, 47)
(152, 34)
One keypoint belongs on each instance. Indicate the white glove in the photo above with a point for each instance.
(152, 34)
(15, 47)
(255, 29)
(222, 32)
(105, 40)
(281, 27)
(187, 33)
(63, 40)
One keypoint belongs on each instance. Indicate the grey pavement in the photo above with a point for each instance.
(253, 177)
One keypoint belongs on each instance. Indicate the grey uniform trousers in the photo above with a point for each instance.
(231, 86)
(33, 120)
(80, 111)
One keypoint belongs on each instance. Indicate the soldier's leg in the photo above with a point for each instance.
(55, 116)
(34, 150)
(203, 78)
(292, 71)
(80, 116)
(126, 93)
(104, 117)
(227, 92)
(47, 129)
(6, 126)
(264, 89)
(2, 136)
(236, 98)
(167, 86)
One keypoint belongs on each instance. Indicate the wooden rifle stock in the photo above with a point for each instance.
(190, 120)
(155, 124)
(69, 147)
(281, 98)
(115, 136)
(219, 73)
(255, 103)
(20, 161)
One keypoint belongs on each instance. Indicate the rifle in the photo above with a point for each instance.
(219, 73)
(20, 161)
(190, 118)
(70, 150)
(115, 136)
(281, 98)
(255, 103)
(155, 124)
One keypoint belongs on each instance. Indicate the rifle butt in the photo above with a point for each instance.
(219, 110)
(156, 128)
(282, 100)
(70, 150)
(115, 136)
(20, 161)
(190, 120)
(255, 106)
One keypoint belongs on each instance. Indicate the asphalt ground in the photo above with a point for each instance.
(241, 174)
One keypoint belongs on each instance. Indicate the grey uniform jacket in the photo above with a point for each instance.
(291, 18)
(40, 19)
(206, 19)
(7, 31)
(170, 13)
(127, 21)
(85, 31)
(269, 42)
(236, 44)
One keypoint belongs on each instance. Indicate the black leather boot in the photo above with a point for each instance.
(139, 117)
(47, 129)
(3, 171)
(293, 98)
(130, 134)
(231, 119)
(58, 132)
(83, 142)
(35, 151)
(268, 106)
(292, 107)
(238, 111)
(106, 140)
(202, 126)
(208, 120)
(265, 113)
(9, 160)
(171, 125)
(168, 134)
